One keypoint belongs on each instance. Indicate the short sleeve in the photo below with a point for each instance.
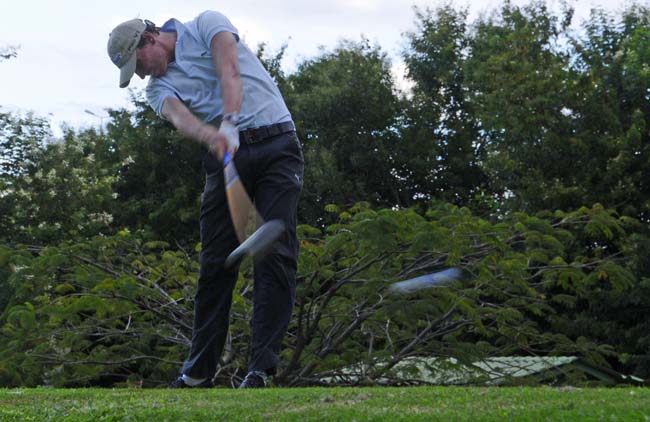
(210, 23)
(156, 95)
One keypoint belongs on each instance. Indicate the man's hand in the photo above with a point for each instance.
(216, 140)
(231, 131)
(226, 138)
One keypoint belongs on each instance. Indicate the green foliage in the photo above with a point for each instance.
(524, 280)
(119, 307)
(139, 174)
(438, 155)
(519, 155)
(273, 64)
(52, 189)
(99, 312)
(519, 79)
(346, 138)
(161, 176)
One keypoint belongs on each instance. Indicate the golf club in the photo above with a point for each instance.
(239, 202)
(258, 243)
(437, 279)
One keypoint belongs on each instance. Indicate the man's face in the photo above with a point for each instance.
(152, 58)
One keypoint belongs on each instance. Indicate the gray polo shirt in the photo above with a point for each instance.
(192, 77)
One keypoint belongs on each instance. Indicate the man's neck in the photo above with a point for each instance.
(168, 40)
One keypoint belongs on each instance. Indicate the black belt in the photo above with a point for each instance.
(259, 134)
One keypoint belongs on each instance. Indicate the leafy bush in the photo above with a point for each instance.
(119, 308)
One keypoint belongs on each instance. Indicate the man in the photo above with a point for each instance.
(201, 73)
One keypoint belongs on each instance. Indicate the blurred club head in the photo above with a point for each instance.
(259, 243)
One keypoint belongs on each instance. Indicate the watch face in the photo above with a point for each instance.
(232, 118)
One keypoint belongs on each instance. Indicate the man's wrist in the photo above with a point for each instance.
(206, 133)
(232, 118)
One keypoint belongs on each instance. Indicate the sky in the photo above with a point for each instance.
(62, 71)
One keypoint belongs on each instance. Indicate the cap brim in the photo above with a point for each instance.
(127, 71)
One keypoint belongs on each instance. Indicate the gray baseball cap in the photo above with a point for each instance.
(122, 43)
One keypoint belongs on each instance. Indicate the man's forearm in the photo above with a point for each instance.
(231, 93)
(191, 126)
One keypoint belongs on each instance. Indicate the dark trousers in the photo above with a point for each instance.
(272, 173)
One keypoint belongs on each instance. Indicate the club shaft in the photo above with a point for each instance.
(429, 280)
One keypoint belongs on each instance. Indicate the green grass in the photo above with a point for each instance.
(331, 404)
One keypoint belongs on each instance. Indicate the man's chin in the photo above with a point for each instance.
(160, 73)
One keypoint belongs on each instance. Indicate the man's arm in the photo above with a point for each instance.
(226, 62)
(191, 126)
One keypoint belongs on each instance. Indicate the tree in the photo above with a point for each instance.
(345, 108)
(519, 80)
(21, 140)
(273, 64)
(52, 190)
(161, 174)
(612, 112)
(439, 151)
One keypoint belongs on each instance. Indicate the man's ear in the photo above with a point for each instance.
(149, 37)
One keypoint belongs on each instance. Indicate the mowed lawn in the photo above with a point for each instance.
(328, 404)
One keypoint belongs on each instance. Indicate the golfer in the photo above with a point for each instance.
(213, 89)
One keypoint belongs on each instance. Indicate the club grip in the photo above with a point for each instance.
(229, 170)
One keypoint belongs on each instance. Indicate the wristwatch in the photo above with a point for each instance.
(232, 118)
